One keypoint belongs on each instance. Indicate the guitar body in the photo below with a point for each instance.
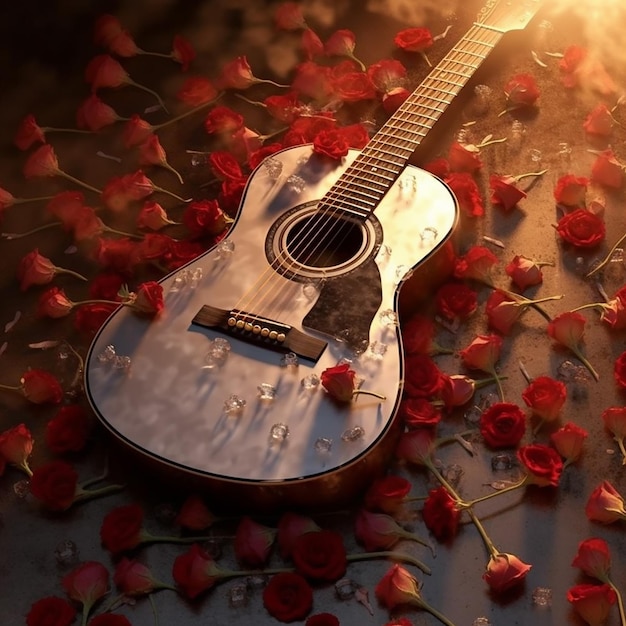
(287, 444)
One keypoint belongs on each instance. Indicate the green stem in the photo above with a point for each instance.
(425, 57)
(254, 572)
(620, 602)
(168, 167)
(162, 55)
(11, 236)
(434, 612)
(114, 231)
(491, 548)
(399, 556)
(171, 193)
(150, 91)
(97, 301)
(23, 200)
(78, 182)
(442, 441)
(185, 114)
(620, 443)
(470, 503)
(358, 62)
(607, 258)
(592, 305)
(266, 81)
(88, 494)
(25, 467)
(362, 392)
(537, 428)
(520, 176)
(85, 615)
(11, 388)
(585, 362)
(451, 490)
(62, 270)
(498, 384)
(50, 129)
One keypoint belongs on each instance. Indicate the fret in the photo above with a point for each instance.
(374, 186)
(376, 168)
(478, 42)
(488, 27)
(474, 54)
(449, 82)
(348, 195)
(405, 148)
(456, 73)
(457, 62)
(356, 192)
(450, 93)
(345, 205)
(415, 122)
(442, 100)
(385, 155)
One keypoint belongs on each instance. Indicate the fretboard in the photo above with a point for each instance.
(362, 186)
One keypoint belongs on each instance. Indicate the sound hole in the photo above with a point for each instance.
(323, 241)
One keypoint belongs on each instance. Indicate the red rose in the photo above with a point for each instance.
(339, 382)
(467, 193)
(521, 90)
(149, 300)
(221, 119)
(387, 494)
(41, 387)
(320, 556)
(398, 587)
(290, 527)
(204, 217)
(87, 583)
(543, 464)
(476, 264)
(504, 192)
(288, 597)
(16, 445)
(54, 303)
(605, 504)
(593, 558)
(68, 430)
(253, 542)
(581, 228)
(55, 485)
(502, 311)
(322, 619)
(89, 318)
(414, 39)
(355, 134)
(194, 514)
(330, 143)
(524, 272)
(592, 602)
(545, 396)
(196, 90)
(353, 87)
(115, 254)
(570, 190)
(456, 301)
(423, 377)
(503, 425)
(619, 370)
(482, 353)
(224, 165)
(51, 611)
(194, 572)
(569, 440)
(607, 170)
(28, 133)
(419, 413)
(441, 514)
(122, 528)
(133, 578)
(440, 167)
(464, 158)
(416, 446)
(153, 247)
(505, 571)
(231, 193)
(378, 531)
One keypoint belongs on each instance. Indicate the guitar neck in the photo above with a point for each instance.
(376, 168)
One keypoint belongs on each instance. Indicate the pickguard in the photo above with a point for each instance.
(344, 310)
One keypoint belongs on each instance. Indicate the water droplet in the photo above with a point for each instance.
(198, 160)
(310, 382)
(617, 256)
(297, 183)
(218, 352)
(353, 434)
(542, 596)
(278, 433)
(21, 488)
(376, 350)
(388, 318)
(66, 553)
(234, 405)
(289, 360)
(481, 621)
(273, 167)
(121, 362)
(453, 474)
(323, 445)
(224, 249)
(472, 415)
(238, 595)
(429, 235)
(503, 462)
(267, 392)
(258, 581)
(345, 588)
(107, 355)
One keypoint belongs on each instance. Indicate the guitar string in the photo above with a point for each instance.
(333, 199)
(444, 69)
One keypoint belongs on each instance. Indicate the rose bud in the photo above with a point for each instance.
(569, 441)
(505, 571)
(593, 558)
(290, 527)
(605, 504)
(543, 464)
(592, 602)
(253, 543)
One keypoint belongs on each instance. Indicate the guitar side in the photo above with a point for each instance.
(174, 408)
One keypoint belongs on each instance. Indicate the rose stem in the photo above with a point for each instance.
(11, 236)
(406, 558)
(158, 127)
(521, 483)
(607, 258)
(154, 93)
(77, 181)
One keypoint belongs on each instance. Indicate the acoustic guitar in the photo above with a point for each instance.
(222, 389)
